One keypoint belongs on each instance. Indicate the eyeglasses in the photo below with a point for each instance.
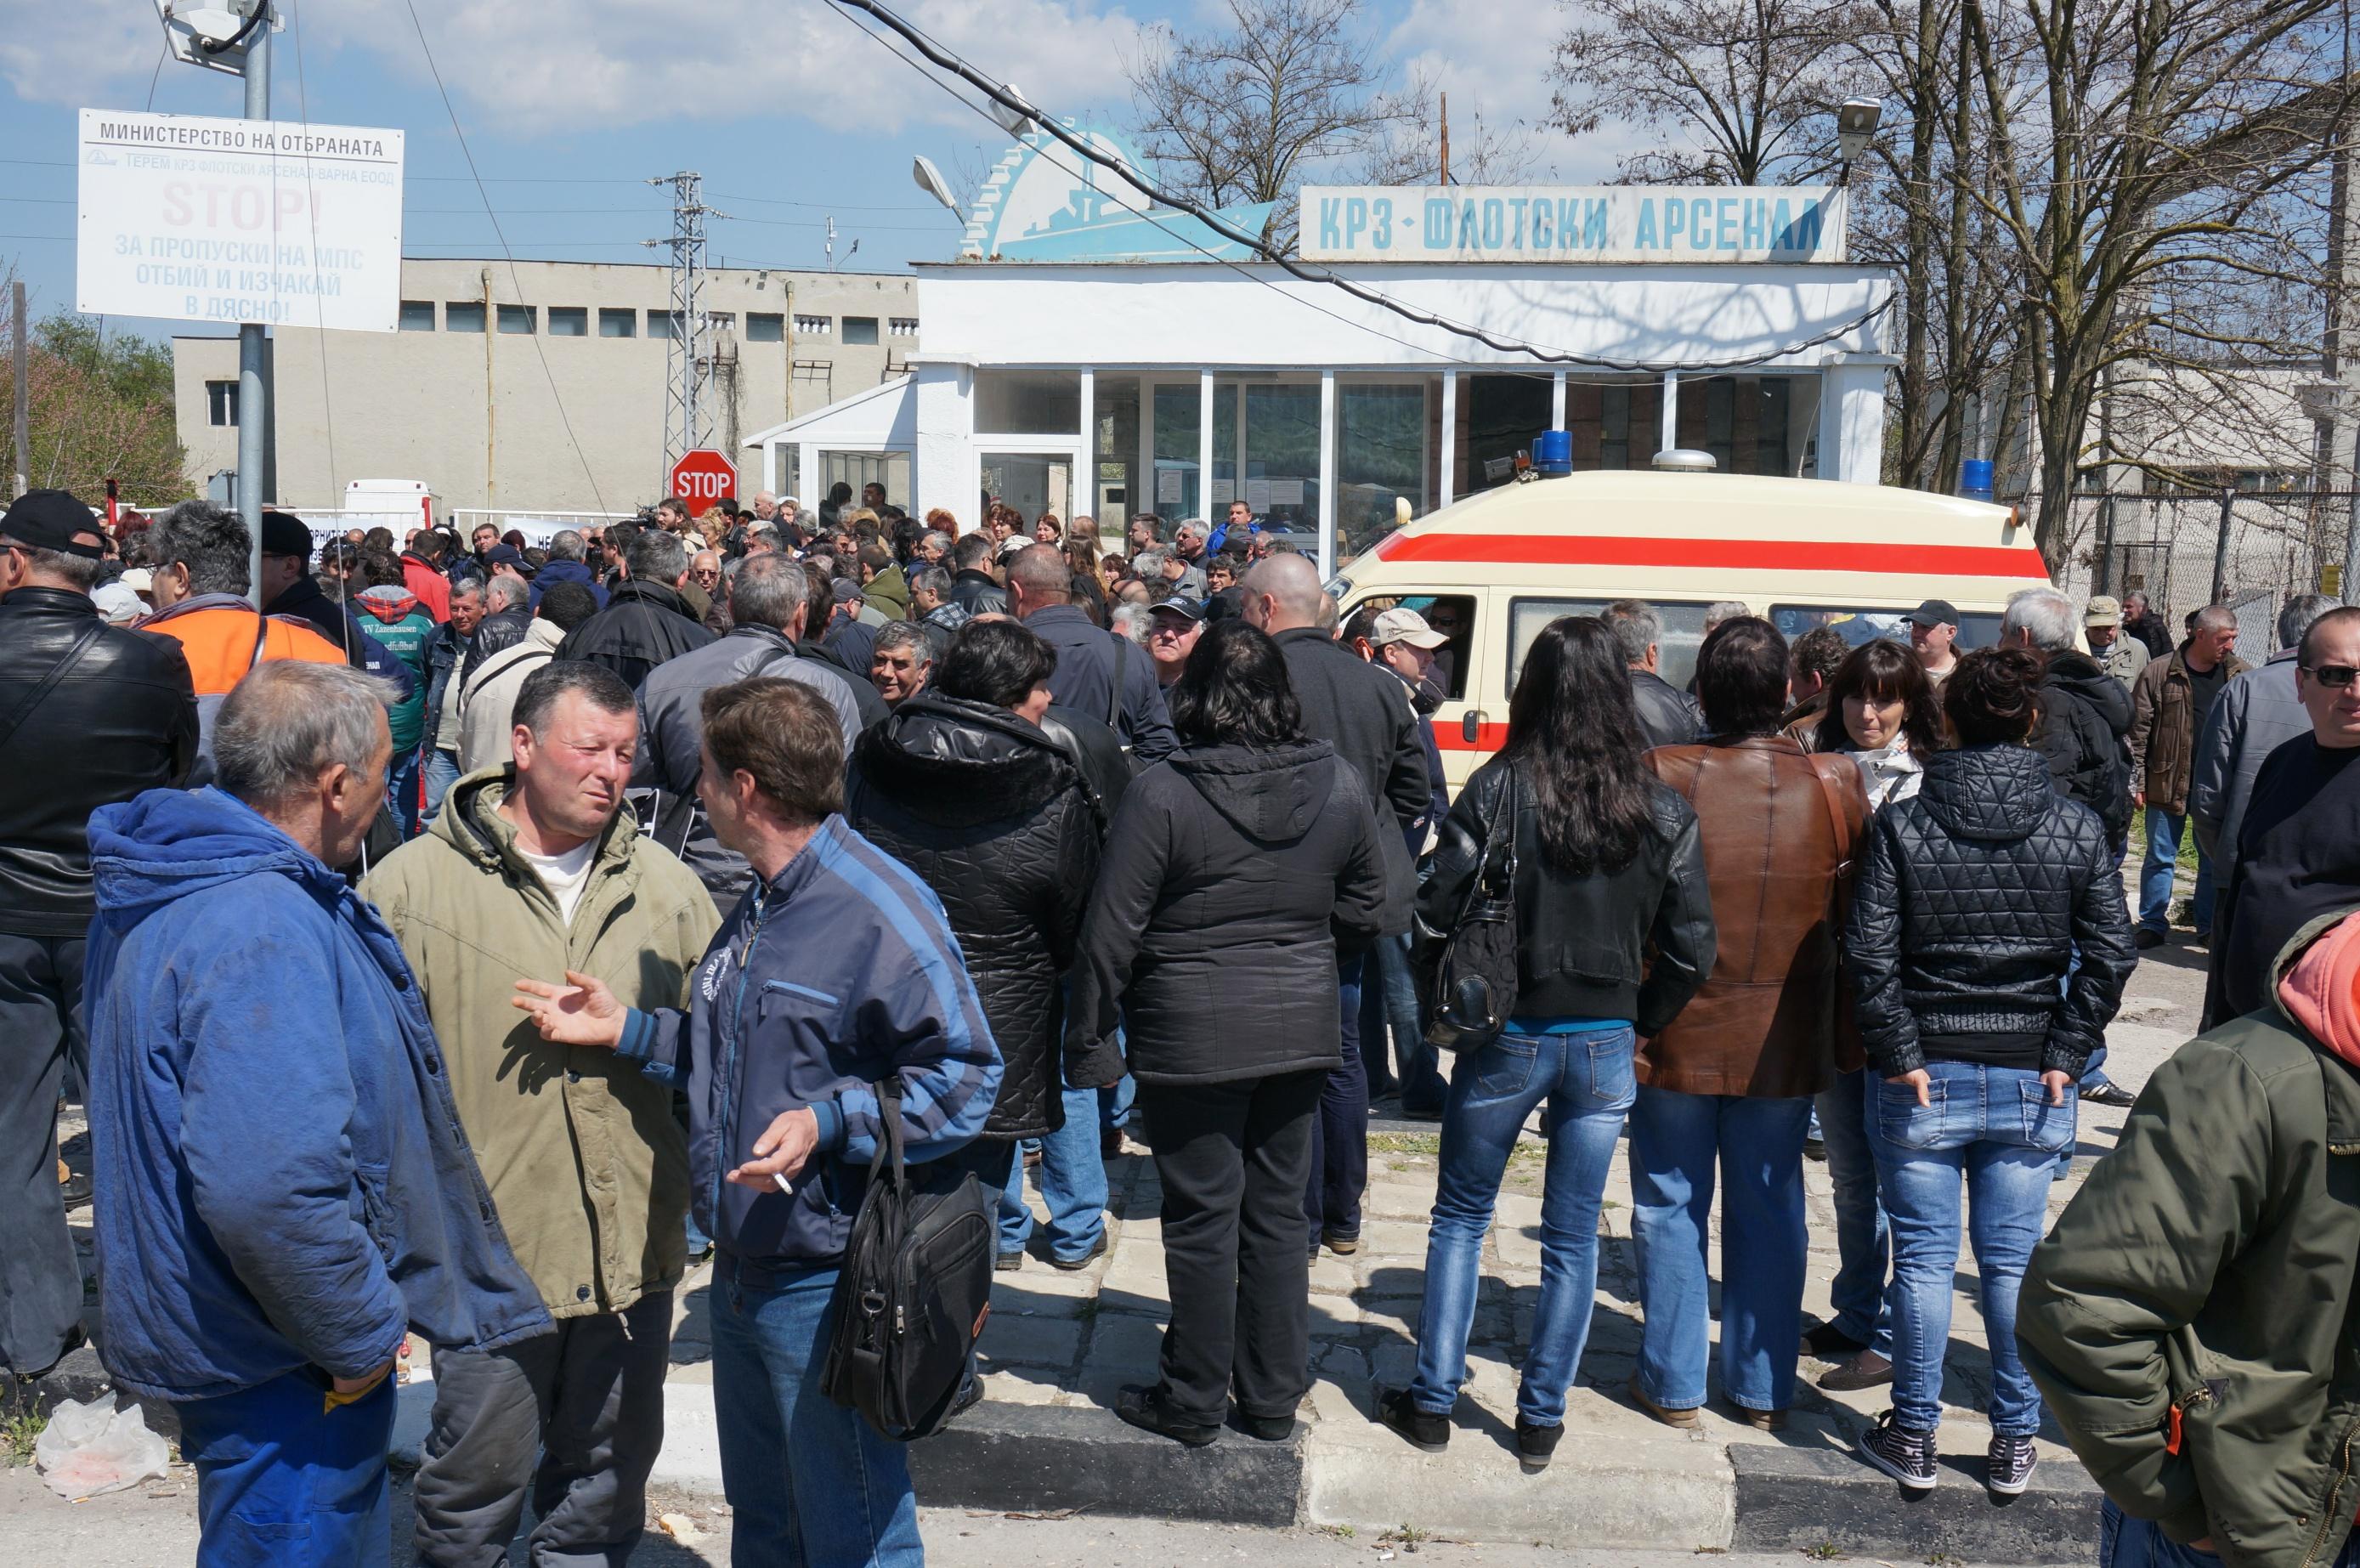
(2334, 677)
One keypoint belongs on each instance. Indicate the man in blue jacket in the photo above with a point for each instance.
(836, 970)
(283, 1187)
(565, 565)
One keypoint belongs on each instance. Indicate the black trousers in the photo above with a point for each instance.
(41, 1047)
(1233, 1158)
(1338, 1177)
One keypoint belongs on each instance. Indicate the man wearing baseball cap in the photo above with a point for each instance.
(108, 713)
(1934, 633)
(1401, 641)
(1172, 628)
(2121, 657)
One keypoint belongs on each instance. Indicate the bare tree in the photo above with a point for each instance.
(1743, 83)
(1483, 151)
(1242, 113)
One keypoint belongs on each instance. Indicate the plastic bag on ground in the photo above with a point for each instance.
(88, 1449)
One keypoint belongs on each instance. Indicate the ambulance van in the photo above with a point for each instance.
(1491, 571)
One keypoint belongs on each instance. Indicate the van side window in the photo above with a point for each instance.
(1453, 615)
(1676, 653)
(1858, 624)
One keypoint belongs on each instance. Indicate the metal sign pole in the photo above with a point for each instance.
(253, 391)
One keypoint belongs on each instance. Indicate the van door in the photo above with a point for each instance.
(1467, 726)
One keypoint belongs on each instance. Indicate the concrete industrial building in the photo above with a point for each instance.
(475, 393)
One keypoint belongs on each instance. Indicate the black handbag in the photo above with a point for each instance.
(1475, 982)
(914, 1289)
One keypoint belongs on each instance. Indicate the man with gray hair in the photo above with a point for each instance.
(646, 621)
(567, 563)
(1105, 676)
(287, 1188)
(1667, 716)
(2259, 712)
(932, 607)
(2169, 704)
(538, 867)
(900, 661)
(770, 606)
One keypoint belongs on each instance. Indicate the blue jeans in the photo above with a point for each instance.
(1389, 1009)
(405, 790)
(808, 1481)
(441, 772)
(281, 1480)
(1677, 1142)
(2126, 1542)
(1586, 1080)
(1863, 1247)
(1994, 1127)
(2163, 831)
(1073, 1183)
(1339, 1135)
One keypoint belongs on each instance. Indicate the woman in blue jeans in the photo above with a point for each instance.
(1604, 863)
(1971, 901)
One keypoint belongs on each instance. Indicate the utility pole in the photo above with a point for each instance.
(1445, 138)
(253, 395)
(688, 416)
(24, 395)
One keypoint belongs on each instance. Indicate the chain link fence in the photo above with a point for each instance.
(2247, 549)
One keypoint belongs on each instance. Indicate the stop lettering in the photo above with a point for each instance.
(704, 476)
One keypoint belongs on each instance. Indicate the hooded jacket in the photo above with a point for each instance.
(426, 580)
(1230, 875)
(643, 625)
(284, 1178)
(996, 818)
(2191, 1319)
(588, 1168)
(488, 693)
(402, 627)
(556, 572)
(362, 643)
(2085, 714)
(1971, 899)
(888, 593)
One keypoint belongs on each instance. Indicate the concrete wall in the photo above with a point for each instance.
(483, 417)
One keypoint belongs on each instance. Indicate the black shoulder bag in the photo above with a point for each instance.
(914, 1289)
(1475, 982)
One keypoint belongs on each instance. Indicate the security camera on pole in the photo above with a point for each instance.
(235, 37)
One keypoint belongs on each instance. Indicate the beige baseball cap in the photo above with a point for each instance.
(1404, 626)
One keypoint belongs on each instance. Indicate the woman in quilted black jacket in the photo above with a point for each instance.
(1972, 904)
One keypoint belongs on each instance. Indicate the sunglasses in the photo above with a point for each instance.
(2334, 677)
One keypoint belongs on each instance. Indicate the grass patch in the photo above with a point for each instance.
(1405, 1143)
(1825, 1552)
(19, 1431)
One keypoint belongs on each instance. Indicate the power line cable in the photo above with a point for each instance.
(945, 60)
(515, 280)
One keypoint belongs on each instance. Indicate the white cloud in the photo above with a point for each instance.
(66, 54)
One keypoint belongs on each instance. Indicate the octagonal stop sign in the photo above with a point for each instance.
(703, 477)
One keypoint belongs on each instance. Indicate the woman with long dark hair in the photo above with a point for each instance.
(1882, 711)
(1233, 869)
(1607, 864)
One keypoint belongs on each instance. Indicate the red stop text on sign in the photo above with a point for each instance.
(704, 476)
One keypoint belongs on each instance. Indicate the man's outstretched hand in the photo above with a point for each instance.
(581, 1011)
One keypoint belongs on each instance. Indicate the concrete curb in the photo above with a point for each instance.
(1043, 1458)
(1798, 1499)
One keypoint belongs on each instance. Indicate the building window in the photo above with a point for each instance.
(814, 326)
(516, 321)
(417, 316)
(463, 315)
(859, 329)
(569, 320)
(618, 323)
(660, 324)
(761, 328)
(902, 326)
(1028, 402)
(221, 402)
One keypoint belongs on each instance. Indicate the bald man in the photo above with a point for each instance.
(1364, 712)
(1093, 664)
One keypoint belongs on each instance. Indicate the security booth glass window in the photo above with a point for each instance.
(1114, 414)
(1032, 482)
(1026, 402)
(1177, 493)
(1282, 459)
(1743, 421)
(1857, 625)
(859, 329)
(417, 316)
(1614, 425)
(569, 320)
(1505, 414)
(766, 326)
(463, 315)
(618, 323)
(1676, 652)
(516, 321)
(1380, 459)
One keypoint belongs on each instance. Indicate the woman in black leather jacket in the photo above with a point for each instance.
(1971, 902)
(1608, 864)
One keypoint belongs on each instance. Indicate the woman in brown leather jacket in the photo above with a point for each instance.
(1727, 1086)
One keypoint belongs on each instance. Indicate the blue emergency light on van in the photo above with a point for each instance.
(1552, 452)
(1975, 478)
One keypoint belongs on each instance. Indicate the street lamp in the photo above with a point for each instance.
(1856, 127)
(930, 179)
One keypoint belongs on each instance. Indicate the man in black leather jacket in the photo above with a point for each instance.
(1667, 716)
(107, 713)
(645, 622)
(973, 587)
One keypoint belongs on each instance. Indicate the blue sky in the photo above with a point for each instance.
(568, 105)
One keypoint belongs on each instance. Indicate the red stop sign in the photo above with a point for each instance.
(701, 478)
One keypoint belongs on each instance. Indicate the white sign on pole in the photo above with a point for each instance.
(1576, 223)
(206, 220)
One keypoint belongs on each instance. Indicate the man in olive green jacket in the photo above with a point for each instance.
(533, 869)
(2191, 1321)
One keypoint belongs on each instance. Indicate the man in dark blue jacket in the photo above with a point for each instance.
(286, 1189)
(565, 565)
(836, 970)
(1091, 661)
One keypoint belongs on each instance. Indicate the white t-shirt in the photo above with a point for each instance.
(564, 876)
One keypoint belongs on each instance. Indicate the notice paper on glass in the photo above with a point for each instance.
(1286, 492)
(1224, 492)
(1258, 495)
(1167, 485)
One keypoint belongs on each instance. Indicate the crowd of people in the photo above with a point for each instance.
(479, 934)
